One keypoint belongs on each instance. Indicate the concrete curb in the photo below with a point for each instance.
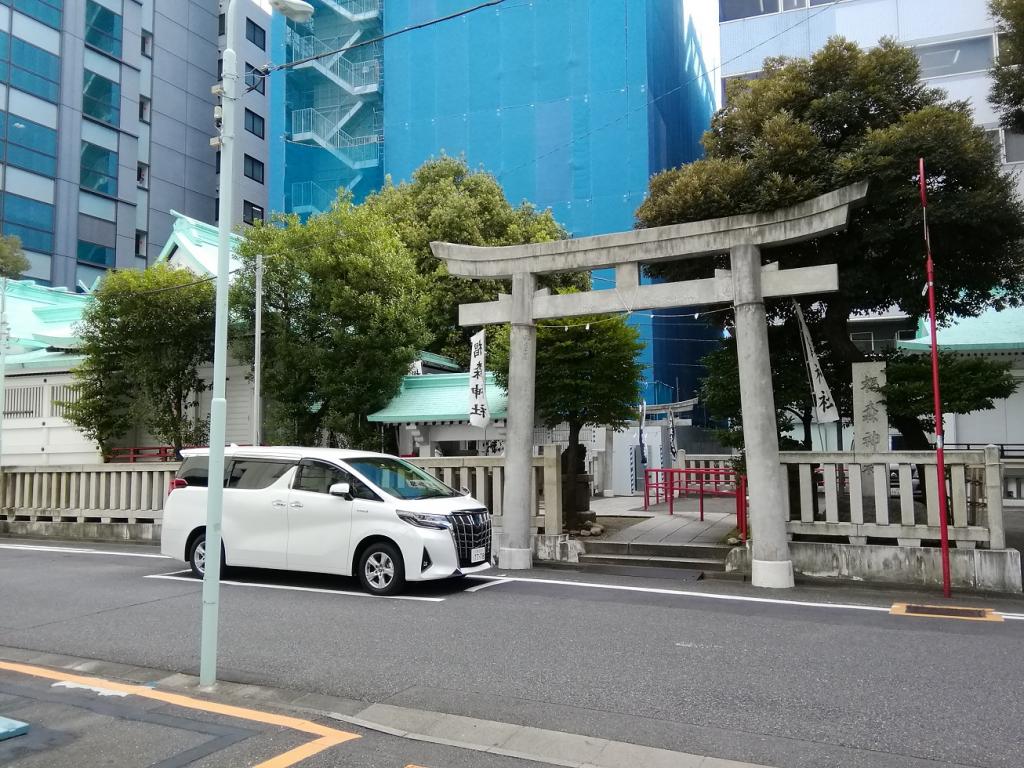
(506, 739)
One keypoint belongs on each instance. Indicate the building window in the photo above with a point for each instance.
(46, 11)
(142, 176)
(145, 109)
(32, 69)
(101, 99)
(956, 57)
(99, 169)
(254, 124)
(222, 24)
(728, 10)
(864, 340)
(102, 28)
(147, 44)
(253, 168)
(217, 161)
(97, 255)
(254, 79)
(140, 243)
(255, 34)
(906, 335)
(30, 220)
(30, 146)
(251, 213)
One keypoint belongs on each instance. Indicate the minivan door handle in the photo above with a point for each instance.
(277, 503)
(295, 504)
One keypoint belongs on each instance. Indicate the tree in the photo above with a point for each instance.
(843, 116)
(13, 262)
(587, 373)
(968, 384)
(144, 337)
(344, 317)
(1007, 94)
(447, 202)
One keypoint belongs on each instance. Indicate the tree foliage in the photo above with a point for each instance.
(846, 115)
(448, 202)
(1007, 94)
(13, 262)
(344, 318)
(144, 338)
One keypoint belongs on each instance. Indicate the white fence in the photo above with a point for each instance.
(484, 478)
(135, 493)
(883, 497)
(104, 493)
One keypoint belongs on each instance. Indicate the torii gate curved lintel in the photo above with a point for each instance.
(746, 285)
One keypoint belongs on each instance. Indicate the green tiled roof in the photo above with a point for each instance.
(438, 397)
(42, 322)
(992, 330)
(438, 361)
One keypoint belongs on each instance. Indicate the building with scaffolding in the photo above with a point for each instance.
(571, 105)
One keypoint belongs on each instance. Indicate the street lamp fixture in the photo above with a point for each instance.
(298, 11)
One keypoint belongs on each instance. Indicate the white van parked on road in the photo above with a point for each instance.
(328, 511)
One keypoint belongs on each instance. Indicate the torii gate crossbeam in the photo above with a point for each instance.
(746, 285)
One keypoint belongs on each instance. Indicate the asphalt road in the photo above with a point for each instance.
(703, 668)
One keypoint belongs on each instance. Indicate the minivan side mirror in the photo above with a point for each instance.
(465, 491)
(341, 489)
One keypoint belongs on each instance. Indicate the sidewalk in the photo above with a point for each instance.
(656, 526)
(87, 713)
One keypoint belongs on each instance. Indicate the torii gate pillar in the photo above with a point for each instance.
(745, 286)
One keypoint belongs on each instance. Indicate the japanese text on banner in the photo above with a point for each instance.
(479, 414)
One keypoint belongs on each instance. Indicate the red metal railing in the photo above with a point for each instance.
(668, 484)
(136, 454)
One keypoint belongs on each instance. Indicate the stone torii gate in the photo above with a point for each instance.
(745, 285)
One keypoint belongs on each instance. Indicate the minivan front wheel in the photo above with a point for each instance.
(197, 557)
(381, 570)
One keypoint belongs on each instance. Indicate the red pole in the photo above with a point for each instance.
(940, 455)
(701, 501)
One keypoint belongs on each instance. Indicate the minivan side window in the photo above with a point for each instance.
(255, 474)
(318, 477)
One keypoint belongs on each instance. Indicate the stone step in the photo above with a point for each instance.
(690, 563)
(693, 550)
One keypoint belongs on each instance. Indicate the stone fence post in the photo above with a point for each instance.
(552, 490)
(994, 497)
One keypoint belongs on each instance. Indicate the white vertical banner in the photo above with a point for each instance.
(825, 409)
(672, 448)
(479, 414)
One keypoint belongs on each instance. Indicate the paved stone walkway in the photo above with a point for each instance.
(684, 526)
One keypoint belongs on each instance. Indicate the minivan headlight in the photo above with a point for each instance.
(426, 520)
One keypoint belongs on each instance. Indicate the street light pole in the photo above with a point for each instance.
(231, 105)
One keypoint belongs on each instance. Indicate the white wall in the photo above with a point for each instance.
(33, 434)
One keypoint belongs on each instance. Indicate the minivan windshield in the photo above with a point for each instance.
(400, 478)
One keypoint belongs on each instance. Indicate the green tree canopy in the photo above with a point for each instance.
(845, 115)
(1007, 94)
(448, 202)
(344, 318)
(144, 338)
(13, 262)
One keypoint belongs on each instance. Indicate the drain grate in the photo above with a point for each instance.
(945, 612)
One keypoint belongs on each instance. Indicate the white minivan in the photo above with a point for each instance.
(328, 510)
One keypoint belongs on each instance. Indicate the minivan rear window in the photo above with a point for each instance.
(195, 470)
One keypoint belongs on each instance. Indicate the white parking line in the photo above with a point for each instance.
(488, 583)
(495, 580)
(79, 551)
(174, 577)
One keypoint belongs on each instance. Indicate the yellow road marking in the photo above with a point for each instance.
(987, 614)
(328, 737)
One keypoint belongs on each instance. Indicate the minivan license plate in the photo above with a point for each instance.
(478, 555)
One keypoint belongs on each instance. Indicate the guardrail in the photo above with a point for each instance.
(669, 484)
(881, 496)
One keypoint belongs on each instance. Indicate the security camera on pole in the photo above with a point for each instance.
(300, 11)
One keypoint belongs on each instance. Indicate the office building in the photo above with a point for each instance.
(571, 105)
(106, 117)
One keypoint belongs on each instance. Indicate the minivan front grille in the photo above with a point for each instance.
(471, 529)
